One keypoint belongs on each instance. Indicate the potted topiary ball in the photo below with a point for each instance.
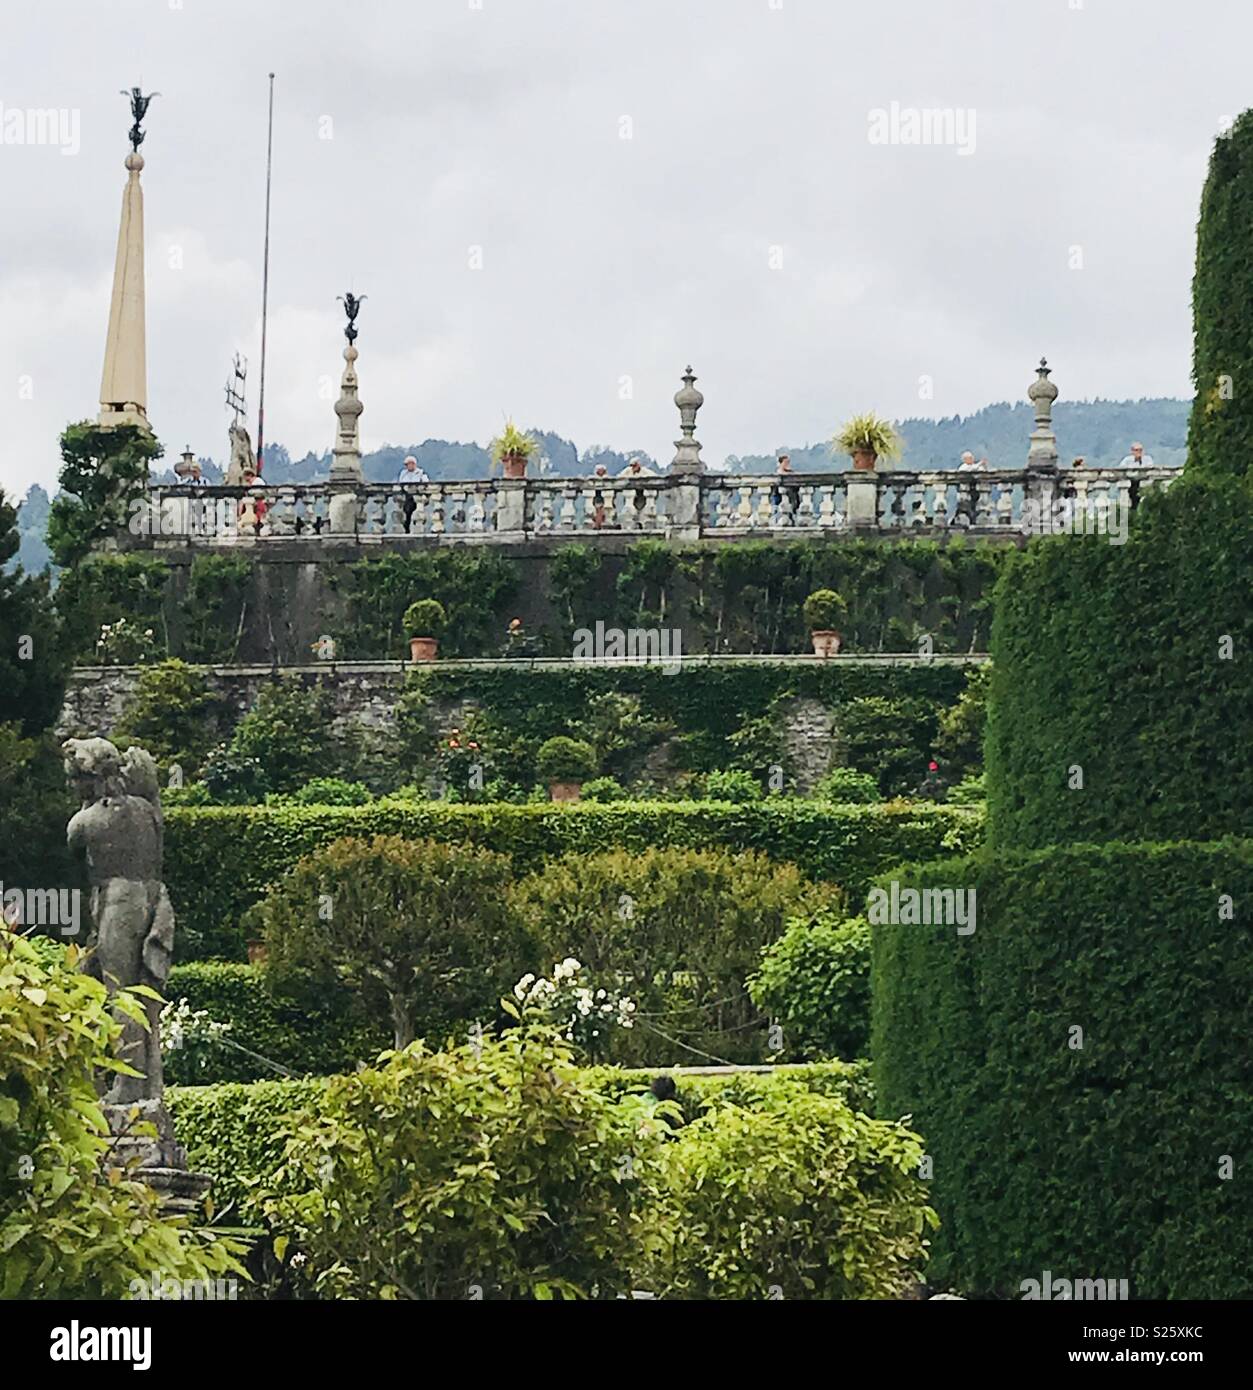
(565, 764)
(512, 449)
(867, 438)
(825, 612)
(424, 623)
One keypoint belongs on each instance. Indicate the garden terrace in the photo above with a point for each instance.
(712, 506)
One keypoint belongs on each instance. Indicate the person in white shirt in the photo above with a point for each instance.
(635, 469)
(1137, 458)
(196, 478)
(968, 464)
(411, 473)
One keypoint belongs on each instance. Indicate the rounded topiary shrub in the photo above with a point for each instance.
(564, 759)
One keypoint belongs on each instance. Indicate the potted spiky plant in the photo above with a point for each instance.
(825, 612)
(512, 449)
(867, 438)
(425, 621)
(565, 764)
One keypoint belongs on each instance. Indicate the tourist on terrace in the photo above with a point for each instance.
(635, 469)
(196, 478)
(1137, 458)
(411, 473)
(968, 464)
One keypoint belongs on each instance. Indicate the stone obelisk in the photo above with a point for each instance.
(124, 383)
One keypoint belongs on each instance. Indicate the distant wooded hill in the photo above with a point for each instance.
(1101, 431)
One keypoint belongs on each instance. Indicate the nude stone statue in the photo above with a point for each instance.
(121, 831)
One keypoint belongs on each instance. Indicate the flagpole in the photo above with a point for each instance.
(265, 281)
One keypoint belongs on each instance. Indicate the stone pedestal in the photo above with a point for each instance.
(510, 505)
(343, 512)
(863, 499)
(158, 1160)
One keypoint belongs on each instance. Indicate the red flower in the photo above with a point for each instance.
(933, 767)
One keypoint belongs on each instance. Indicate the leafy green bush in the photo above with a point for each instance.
(564, 759)
(678, 932)
(66, 1229)
(823, 610)
(799, 1198)
(106, 588)
(888, 738)
(219, 860)
(1073, 1064)
(331, 791)
(959, 735)
(970, 791)
(425, 618)
(848, 786)
(732, 784)
(286, 734)
(420, 932)
(269, 1034)
(171, 713)
(231, 779)
(605, 789)
(492, 1167)
(815, 981)
(1127, 667)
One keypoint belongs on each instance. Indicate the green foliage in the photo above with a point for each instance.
(732, 785)
(330, 791)
(67, 1230)
(213, 614)
(105, 589)
(959, 734)
(847, 786)
(269, 1033)
(230, 779)
(35, 804)
(472, 584)
(677, 931)
(867, 433)
(621, 731)
(824, 610)
(425, 617)
(103, 473)
(513, 443)
(492, 1166)
(237, 1133)
(970, 791)
(1096, 1154)
(420, 932)
(286, 734)
(1133, 663)
(170, 714)
(798, 1198)
(604, 789)
(562, 759)
(815, 981)
(890, 739)
(219, 860)
(1220, 431)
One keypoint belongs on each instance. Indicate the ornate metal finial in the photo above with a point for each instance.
(139, 108)
(1042, 393)
(352, 306)
(687, 449)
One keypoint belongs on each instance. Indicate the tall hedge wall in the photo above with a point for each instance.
(1112, 659)
(219, 860)
(1091, 1162)
(238, 1132)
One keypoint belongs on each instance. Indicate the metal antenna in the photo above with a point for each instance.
(235, 387)
(265, 281)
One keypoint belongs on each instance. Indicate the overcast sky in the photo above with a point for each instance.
(752, 223)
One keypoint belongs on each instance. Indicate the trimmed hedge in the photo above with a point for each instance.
(1110, 658)
(302, 1038)
(236, 1133)
(1096, 1162)
(219, 859)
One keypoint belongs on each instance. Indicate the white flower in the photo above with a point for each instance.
(520, 989)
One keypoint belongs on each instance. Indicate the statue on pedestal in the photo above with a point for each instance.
(120, 830)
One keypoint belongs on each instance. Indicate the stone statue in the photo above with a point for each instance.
(139, 108)
(243, 460)
(352, 307)
(121, 831)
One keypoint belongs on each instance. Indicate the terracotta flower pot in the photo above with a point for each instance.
(826, 642)
(564, 791)
(864, 460)
(423, 648)
(256, 953)
(514, 465)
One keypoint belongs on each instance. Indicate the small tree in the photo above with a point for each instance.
(287, 734)
(421, 932)
(425, 618)
(171, 715)
(102, 472)
(563, 759)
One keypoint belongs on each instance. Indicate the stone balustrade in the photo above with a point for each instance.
(680, 506)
